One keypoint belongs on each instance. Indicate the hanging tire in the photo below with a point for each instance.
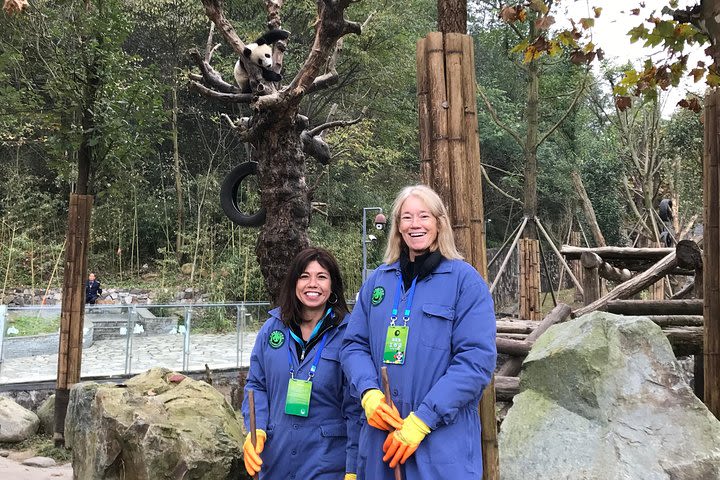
(665, 210)
(228, 196)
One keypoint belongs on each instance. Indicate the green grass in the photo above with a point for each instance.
(33, 324)
(42, 445)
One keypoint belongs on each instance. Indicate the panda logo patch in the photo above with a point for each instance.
(377, 296)
(276, 339)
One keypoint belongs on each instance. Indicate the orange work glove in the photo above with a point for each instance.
(402, 443)
(251, 456)
(379, 414)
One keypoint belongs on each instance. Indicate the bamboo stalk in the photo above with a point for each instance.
(253, 429)
(388, 399)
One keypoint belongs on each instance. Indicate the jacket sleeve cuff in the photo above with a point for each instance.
(429, 417)
(366, 385)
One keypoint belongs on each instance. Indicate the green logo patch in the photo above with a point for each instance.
(277, 338)
(378, 295)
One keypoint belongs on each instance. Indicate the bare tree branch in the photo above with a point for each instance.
(570, 108)
(499, 122)
(225, 97)
(211, 76)
(500, 190)
(336, 123)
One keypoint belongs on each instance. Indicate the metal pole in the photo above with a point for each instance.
(364, 240)
(364, 245)
(3, 312)
(237, 337)
(186, 343)
(128, 339)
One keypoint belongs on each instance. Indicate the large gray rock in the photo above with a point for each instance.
(46, 414)
(16, 423)
(602, 397)
(159, 425)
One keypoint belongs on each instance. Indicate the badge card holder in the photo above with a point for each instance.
(395, 343)
(297, 401)
(397, 335)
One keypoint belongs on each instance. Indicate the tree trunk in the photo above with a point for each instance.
(452, 16)
(589, 210)
(284, 196)
(530, 174)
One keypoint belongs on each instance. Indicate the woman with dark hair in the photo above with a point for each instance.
(307, 421)
(428, 317)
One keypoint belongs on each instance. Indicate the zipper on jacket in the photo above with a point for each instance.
(302, 355)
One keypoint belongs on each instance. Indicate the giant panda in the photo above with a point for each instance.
(259, 53)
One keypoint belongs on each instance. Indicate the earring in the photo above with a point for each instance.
(331, 300)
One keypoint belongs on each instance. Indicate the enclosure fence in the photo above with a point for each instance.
(129, 339)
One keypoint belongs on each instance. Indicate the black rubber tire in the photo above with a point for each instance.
(228, 196)
(665, 210)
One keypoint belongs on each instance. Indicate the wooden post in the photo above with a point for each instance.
(711, 251)
(575, 265)
(689, 255)
(450, 164)
(591, 277)
(657, 289)
(73, 307)
(529, 278)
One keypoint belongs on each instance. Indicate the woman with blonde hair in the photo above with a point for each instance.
(428, 317)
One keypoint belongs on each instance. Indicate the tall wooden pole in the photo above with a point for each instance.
(711, 251)
(450, 163)
(73, 307)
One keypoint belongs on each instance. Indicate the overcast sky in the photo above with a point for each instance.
(610, 34)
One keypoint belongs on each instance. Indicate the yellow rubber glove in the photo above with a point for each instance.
(379, 414)
(402, 443)
(350, 476)
(251, 456)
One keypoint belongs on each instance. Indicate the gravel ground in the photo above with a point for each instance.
(11, 468)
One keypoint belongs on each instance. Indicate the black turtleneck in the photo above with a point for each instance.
(423, 266)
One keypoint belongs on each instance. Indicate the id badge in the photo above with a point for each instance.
(395, 345)
(297, 401)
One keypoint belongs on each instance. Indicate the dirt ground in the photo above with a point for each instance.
(11, 468)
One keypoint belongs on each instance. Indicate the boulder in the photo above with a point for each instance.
(46, 414)
(158, 426)
(41, 462)
(16, 423)
(602, 397)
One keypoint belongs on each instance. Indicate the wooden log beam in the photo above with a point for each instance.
(591, 277)
(634, 285)
(655, 307)
(605, 269)
(621, 253)
(677, 320)
(558, 314)
(685, 340)
(517, 348)
(506, 387)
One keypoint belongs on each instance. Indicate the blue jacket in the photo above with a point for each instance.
(322, 446)
(450, 358)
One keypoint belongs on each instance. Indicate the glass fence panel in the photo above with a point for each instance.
(129, 339)
(30, 344)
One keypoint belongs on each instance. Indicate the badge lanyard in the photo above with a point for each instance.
(396, 338)
(297, 401)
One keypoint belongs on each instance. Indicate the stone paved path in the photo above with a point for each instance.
(107, 357)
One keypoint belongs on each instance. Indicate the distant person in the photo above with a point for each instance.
(92, 289)
(307, 421)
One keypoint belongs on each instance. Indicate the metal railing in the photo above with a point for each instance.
(128, 339)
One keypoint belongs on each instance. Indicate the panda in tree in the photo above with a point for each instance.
(259, 53)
